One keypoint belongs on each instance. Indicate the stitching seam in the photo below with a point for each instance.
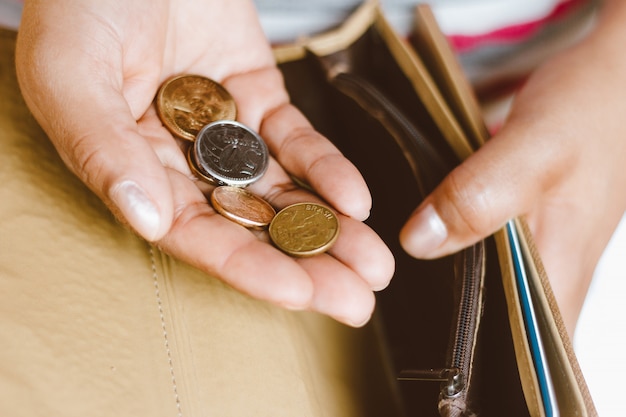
(168, 351)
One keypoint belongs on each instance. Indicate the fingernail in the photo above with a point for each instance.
(137, 208)
(360, 322)
(293, 305)
(424, 233)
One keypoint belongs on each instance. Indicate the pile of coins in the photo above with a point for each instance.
(231, 156)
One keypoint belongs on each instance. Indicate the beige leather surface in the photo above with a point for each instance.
(95, 322)
(448, 74)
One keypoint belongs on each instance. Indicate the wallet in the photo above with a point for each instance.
(474, 333)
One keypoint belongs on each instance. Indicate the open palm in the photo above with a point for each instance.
(89, 71)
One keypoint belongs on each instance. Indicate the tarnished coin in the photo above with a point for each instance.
(243, 207)
(304, 229)
(191, 160)
(187, 103)
(230, 153)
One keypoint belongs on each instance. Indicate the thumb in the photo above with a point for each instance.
(498, 182)
(74, 86)
(94, 132)
(130, 178)
(105, 148)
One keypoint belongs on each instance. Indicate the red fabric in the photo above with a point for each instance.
(515, 33)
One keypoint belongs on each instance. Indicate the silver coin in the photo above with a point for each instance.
(230, 153)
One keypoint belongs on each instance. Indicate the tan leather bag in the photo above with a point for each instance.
(96, 322)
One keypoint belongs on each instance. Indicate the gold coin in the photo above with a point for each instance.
(304, 229)
(187, 103)
(242, 207)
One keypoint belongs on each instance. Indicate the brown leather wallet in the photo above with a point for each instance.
(458, 336)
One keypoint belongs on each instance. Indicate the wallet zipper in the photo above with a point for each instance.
(469, 309)
(455, 377)
(427, 163)
(452, 379)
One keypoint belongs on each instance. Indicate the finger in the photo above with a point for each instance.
(339, 292)
(216, 245)
(117, 162)
(358, 262)
(237, 256)
(362, 250)
(500, 181)
(358, 247)
(171, 152)
(311, 157)
(291, 139)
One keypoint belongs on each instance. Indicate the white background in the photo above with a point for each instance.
(600, 338)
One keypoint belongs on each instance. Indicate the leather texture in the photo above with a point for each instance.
(427, 83)
(571, 389)
(96, 322)
(417, 310)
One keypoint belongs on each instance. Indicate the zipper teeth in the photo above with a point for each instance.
(468, 310)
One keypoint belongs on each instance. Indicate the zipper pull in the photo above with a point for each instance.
(451, 379)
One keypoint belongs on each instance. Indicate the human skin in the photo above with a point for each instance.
(558, 161)
(89, 71)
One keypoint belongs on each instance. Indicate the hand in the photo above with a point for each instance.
(89, 71)
(559, 159)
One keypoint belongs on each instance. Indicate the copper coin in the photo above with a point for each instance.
(230, 153)
(187, 103)
(191, 160)
(242, 207)
(304, 229)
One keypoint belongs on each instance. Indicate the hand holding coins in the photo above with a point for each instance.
(229, 155)
(100, 112)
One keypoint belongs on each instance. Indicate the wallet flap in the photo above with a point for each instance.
(333, 40)
(448, 74)
(530, 383)
(571, 391)
(413, 67)
(444, 93)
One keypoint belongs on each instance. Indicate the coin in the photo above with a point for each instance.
(230, 153)
(304, 229)
(191, 160)
(242, 207)
(187, 103)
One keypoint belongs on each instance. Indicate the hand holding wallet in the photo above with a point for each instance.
(475, 332)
